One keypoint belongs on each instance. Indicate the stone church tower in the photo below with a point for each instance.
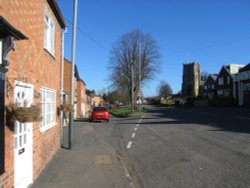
(191, 79)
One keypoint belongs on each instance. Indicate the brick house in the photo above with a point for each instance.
(32, 77)
(97, 101)
(242, 86)
(80, 97)
(67, 84)
(209, 90)
(93, 99)
(224, 84)
(82, 107)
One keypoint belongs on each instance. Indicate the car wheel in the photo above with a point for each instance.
(107, 120)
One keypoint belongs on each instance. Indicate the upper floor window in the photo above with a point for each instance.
(212, 86)
(82, 93)
(49, 33)
(221, 81)
(228, 80)
(48, 105)
(205, 87)
(1, 52)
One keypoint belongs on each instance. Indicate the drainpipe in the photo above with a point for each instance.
(62, 86)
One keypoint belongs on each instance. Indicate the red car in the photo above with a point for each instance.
(99, 113)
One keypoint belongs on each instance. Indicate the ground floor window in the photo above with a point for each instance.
(247, 88)
(220, 92)
(48, 105)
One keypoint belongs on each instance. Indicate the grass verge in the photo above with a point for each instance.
(125, 112)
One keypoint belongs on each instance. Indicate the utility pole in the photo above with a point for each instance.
(132, 86)
(72, 86)
(140, 93)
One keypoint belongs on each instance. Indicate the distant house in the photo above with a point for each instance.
(31, 35)
(242, 86)
(67, 84)
(209, 90)
(93, 99)
(80, 97)
(224, 84)
(97, 100)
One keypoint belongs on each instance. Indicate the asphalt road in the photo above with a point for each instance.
(183, 147)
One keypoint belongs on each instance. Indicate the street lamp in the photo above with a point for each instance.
(72, 94)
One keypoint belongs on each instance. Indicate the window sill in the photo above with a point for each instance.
(51, 55)
(46, 128)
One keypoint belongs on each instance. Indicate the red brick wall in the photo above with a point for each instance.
(81, 98)
(67, 78)
(30, 63)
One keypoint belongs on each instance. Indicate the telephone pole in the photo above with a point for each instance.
(139, 91)
(132, 86)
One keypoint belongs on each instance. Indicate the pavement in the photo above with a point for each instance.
(91, 163)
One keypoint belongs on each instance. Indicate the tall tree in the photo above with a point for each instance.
(133, 51)
(115, 96)
(164, 89)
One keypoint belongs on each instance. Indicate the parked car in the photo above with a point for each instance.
(99, 113)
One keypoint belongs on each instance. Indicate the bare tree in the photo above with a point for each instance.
(164, 89)
(204, 76)
(134, 51)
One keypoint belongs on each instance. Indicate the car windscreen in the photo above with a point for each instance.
(99, 109)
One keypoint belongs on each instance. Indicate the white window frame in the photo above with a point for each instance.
(48, 109)
(228, 80)
(49, 33)
(1, 52)
(246, 87)
(221, 81)
(220, 92)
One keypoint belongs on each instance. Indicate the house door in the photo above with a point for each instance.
(23, 164)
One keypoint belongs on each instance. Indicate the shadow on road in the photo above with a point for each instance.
(224, 119)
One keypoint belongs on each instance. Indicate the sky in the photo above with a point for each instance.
(212, 33)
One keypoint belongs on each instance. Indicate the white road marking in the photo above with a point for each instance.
(133, 135)
(240, 117)
(129, 144)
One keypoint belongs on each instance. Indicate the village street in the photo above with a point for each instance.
(164, 147)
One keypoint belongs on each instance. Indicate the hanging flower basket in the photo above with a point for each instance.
(67, 108)
(25, 114)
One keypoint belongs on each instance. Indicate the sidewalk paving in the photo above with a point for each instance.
(91, 163)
